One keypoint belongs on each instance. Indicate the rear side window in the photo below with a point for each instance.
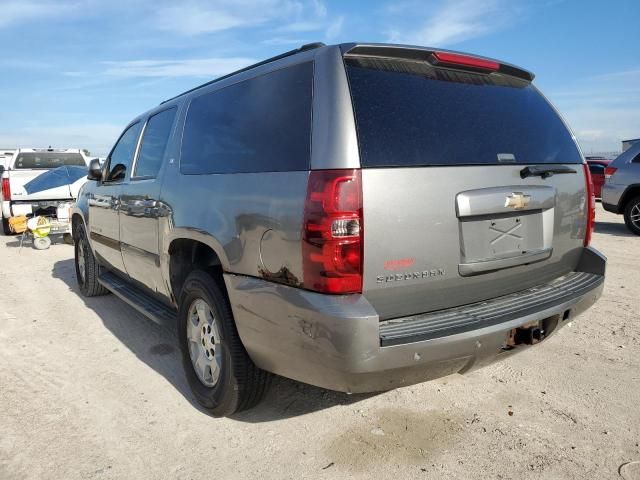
(413, 114)
(258, 125)
(596, 169)
(47, 160)
(154, 143)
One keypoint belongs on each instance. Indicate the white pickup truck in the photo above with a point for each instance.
(20, 166)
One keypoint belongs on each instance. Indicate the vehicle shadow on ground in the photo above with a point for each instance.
(613, 228)
(157, 346)
(16, 240)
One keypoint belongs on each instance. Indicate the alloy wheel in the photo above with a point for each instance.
(203, 335)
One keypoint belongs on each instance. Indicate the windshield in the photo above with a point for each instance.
(47, 160)
(412, 114)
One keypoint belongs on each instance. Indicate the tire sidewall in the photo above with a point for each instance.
(85, 244)
(223, 396)
(627, 215)
(5, 227)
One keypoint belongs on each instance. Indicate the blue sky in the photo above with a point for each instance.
(74, 72)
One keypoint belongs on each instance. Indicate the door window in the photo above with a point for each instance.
(122, 154)
(154, 144)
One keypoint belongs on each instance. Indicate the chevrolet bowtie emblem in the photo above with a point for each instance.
(517, 201)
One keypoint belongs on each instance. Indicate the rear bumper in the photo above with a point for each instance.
(337, 342)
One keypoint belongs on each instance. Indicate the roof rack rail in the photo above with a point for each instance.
(303, 48)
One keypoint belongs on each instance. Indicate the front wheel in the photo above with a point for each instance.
(220, 373)
(87, 269)
(632, 215)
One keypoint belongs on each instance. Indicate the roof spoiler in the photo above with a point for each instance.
(437, 57)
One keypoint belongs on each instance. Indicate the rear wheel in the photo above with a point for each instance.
(221, 375)
(87, 269)
(632, 215)
(5, 227)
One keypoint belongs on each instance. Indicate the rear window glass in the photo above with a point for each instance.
(258, 125)
(412, 114)
(47, 160)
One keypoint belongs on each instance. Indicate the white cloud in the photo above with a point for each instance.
(95, 137)
(12, 12)
(602, 110)
(197, 16)
(199, 67)
(283, 41)
(335, 28)
(303, 26)
(320, 8)
(456, 21)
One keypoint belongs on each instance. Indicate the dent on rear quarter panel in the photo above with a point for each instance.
(236, 214)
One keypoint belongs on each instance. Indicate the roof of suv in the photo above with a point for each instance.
(409, 52)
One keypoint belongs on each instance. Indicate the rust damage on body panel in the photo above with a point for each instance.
(283, 276)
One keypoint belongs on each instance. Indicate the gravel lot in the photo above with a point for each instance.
(91, 389)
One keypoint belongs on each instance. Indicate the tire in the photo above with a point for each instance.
(41, 243)
(205, 315)
(87, 269)
(5, 227)
(632, 215)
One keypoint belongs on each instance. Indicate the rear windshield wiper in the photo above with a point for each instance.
(544, 172)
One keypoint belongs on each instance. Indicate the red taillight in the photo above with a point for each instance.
(6, 189)
(465, 61)
(591, 206)
(332, 232)
(609, 171)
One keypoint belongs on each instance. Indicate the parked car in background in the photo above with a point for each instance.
(352, 216)
(596, 168)
(621, 190)
(24, 165)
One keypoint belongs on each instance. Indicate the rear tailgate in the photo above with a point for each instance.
(19, 178)
(30, 164)
(448, 217)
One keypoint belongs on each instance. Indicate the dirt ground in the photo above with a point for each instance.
(91, 389)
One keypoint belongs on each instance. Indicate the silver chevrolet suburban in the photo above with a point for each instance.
(358, 217)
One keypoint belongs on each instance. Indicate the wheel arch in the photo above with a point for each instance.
(186, 253)
(630, 192)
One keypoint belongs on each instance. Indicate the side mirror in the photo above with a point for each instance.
(95, 170)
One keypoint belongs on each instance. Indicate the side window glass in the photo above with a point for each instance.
(122, 154)
(596, 169)
(637, 159)
(262, 124)
(154, 143)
